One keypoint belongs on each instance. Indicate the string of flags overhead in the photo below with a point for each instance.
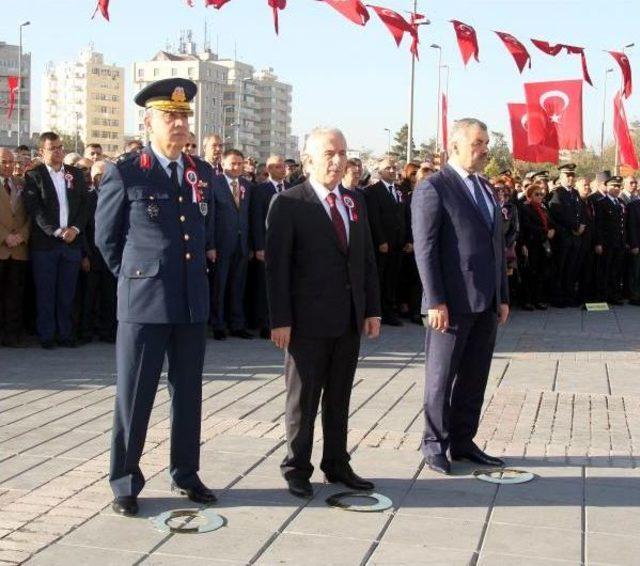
(551, 117)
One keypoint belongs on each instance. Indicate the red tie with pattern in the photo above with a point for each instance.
(338, 223)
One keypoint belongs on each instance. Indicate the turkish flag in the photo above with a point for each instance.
(415, 40)
(103, 6)
(553, 50)
(519, 138)
(445, 129)
(395, 23)
(275, 6)
(13, 83)
(517, 49)
(555, 107)
(467, 41)
(625, 67)
(354, 10)
(217, 4)
(626, 149)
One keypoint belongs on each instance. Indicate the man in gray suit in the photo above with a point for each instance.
(459, 250)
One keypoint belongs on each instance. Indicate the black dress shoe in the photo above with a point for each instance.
(242, 333)
(616, 301)
(13, 343)
(477, 456)
(391, 321)
(127, 506)
(219, 335)
(541, 306)
(300, 487)
(349, 478)
(528, 307)
(438, 463)
(197, 494)
(82, 340)
(47, 344)
(265, 333)
(67, 343)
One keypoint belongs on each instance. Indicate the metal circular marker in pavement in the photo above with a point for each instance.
(504, 476)
(381, 503)
(212, 521)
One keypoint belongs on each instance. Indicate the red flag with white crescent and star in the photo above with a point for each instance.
(467, 41)
(519, 138)
(555, 106)
(353, 10)
(626, 149)
(394, 22)
(217, 4)
(553, 50)
(275, 6)
(625, 67)
(415, 40)
(518, 50)
(103, 6)
(13, 82)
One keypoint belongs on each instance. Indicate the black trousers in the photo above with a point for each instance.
(609, 272)
(12, 281)
(140, 353)
(97, 304)
(586, 270)
(318, 368)
(457, 367)
(227, 292)
(566, 250)
(389, 276)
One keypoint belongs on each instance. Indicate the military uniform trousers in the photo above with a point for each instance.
(609, 273)
(457, 368)
(632, 276)
(140, 354)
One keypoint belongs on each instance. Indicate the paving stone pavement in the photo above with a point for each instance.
(563, 401)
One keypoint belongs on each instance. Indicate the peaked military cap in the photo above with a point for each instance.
(168, 95)
(533, 174)
(615, 181)
(603, 176)
(568, 168)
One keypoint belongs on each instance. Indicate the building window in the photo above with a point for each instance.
(141, 72)
(174, 72)
(156, 72)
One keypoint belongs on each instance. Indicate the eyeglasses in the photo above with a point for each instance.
(54, 148)
(191, 145)
(538, 194)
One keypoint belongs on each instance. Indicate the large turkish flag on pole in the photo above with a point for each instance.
(354, 10)
(626, 149)
(625, 67)
(555, 107)
(467, 41)
(520, 142)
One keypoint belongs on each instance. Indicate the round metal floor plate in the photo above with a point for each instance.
(212, 521)
(381, 502)
(504, 476)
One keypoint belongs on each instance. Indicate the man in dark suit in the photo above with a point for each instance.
(459, 250)
(232, 195)
(56, 198)
(387, 217)
(153, 227)
(260, 200)
(610, 242)
(213, 147)
(566, 214)
(322, 294)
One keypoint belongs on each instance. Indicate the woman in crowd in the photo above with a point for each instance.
(536, 231)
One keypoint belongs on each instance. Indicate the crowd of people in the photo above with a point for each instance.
(569, 240)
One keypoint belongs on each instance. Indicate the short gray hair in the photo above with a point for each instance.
(314, 135)
(461, 126)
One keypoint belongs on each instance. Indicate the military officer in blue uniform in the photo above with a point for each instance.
(154, 228)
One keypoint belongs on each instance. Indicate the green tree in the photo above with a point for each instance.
(427, 150)
(399, 147)
(69, 143)
(499, 156)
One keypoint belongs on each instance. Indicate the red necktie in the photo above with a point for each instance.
(7, 187)
(338, 223)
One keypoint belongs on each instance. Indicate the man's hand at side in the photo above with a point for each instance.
(371, 327)
(438, 317)
(281, 337)
(503, 313)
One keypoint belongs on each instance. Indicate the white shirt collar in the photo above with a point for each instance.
(322, 191)
(164, 160)
(276, 183)
(52, 171)
(388, 185)
(231, 179)
(464, 174)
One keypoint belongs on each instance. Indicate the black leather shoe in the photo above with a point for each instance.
(477, 456)
(242, 333)
(438, 463)
(391, 321)
(219, 335)
(349, 478)
(541, 306)
(48, 344)
(67, 343)
(300, 487)
(265, 333)
(528, 307)
(197, 494)
(127, 506)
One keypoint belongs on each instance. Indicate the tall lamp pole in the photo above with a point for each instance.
(22, 25)
(436, 46)
(604, 112)
(616, 166)
(426, 21)
(388, 140)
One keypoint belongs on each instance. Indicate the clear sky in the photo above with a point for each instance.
(349, 76)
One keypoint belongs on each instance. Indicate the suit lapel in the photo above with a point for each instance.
(49, 187)
(456, 182)
(320, 212)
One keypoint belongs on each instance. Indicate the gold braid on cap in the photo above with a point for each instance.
(177, 102)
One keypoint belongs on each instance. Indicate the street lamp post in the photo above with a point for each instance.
(22, 25)
(412, 88)
(604, 112)
(388, 140)
(436, 46)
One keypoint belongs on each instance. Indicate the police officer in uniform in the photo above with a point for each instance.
(153, 229)
(610, 242)
(565, 211)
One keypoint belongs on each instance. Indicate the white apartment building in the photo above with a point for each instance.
(84, 99)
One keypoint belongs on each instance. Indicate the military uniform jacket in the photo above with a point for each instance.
(610, 223)
(565, 211)
(154, 238)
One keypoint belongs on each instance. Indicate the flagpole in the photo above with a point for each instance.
(412, 88)
(438, 102)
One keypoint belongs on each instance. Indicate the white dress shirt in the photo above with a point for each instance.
(466, 178)
(164, 163)
(275, 185)
(323, 193)
(391, 189)
(58, 180)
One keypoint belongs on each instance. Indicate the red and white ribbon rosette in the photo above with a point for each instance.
(352, 208)
(191, 176)
(68, 178)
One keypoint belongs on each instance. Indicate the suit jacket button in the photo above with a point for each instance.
(138, 272)
(179, 199)
(186, 237)
(182, 218)
(187, 255)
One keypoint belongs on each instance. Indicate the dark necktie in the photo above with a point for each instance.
(174, 175)
(7, 187)
(338, 223)
(235, 192)
(392, 192)
(480, 202)
(279, 187)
